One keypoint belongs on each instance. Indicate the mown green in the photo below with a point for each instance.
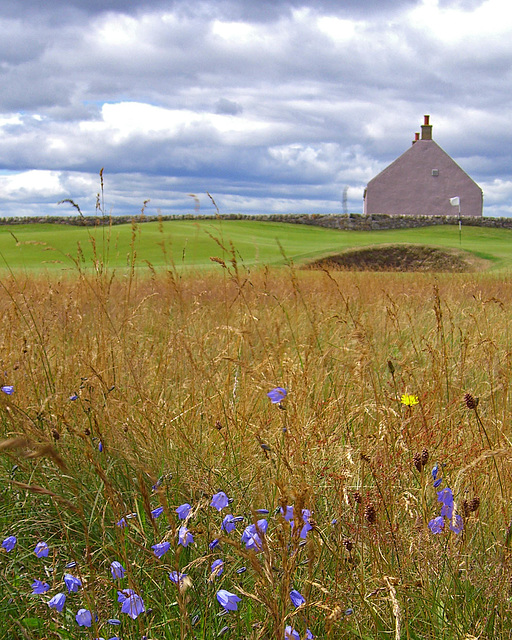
(189, 243)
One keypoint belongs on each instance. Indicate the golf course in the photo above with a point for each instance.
(192, 244)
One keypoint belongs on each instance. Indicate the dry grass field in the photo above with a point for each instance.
(126, 396)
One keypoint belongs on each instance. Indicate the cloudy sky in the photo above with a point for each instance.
(271, 106)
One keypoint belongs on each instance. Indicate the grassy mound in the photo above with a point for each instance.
(401, 257)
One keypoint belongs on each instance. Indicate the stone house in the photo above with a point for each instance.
(423, 181)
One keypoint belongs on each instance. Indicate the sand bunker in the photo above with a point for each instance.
(401, 257)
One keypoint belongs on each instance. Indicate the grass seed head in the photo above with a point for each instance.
(471, 402)
(370, 514)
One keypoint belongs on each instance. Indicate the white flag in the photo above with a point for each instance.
(455, 201)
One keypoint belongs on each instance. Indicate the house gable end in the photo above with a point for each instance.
(421, 182)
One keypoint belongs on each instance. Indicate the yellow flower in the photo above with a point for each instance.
(409, 401)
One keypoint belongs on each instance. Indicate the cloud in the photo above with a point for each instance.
(278, 103)
(224, 106)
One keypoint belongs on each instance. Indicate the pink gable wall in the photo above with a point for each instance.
(407, 186)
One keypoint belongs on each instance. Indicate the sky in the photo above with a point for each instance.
(270, 106)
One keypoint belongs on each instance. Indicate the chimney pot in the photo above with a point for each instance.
(426, 129)
(416, 137)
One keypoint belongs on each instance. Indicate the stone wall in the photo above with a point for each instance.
(347, 222)
(378, 222)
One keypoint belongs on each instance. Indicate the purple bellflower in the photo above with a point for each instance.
(436, 525)
(133, 605)
(184, 536)
(297, 598)
(9, 543)
(41, 550)
(177, 577)
(228, 523)
(217, 568)
(57, 602)
(219, 501)
(84, 618)
(306, 514)
(277, 395)
(290, 633)
(183, 510)
(117, 570)
(39, 587)
(251, 538)
(228, 600)
(445, 496)
(124, 593)
(447, 511)
(287, 513)
(72, 583)
(262, 525)
(161, 548)
(156, 513)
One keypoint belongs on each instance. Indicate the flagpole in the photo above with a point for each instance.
(455, 202)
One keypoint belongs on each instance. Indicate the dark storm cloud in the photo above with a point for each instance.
(262, 10)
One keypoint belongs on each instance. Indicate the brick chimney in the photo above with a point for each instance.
(416, 137)
(426, 129)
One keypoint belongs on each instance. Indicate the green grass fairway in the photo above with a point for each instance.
(40, 247)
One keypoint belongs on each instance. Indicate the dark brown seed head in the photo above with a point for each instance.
(468, 506)
(370, 514)
(357, 497)
(471, 402)
(391, 367)
(424, 457)
(417, 461)
(474, 503)
(348, 544)
(55, 434)
(87, 431)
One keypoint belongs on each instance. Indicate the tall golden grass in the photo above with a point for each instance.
(171, 373)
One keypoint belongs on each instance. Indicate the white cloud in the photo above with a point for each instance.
(339, 30)
(8, 119)
(125, 119)
(33, 185)
(453, 27)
